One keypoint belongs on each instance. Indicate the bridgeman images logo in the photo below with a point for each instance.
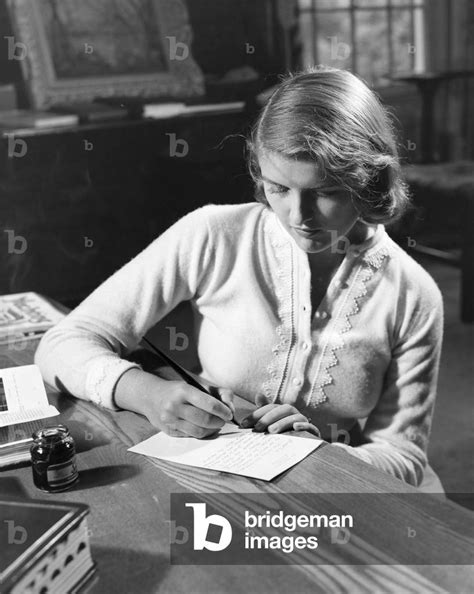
(203, 525)
(201, 534)
(298, 529)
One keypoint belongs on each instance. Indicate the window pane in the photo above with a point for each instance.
(308, 39)
(402, 43)
(333, 39)
(407, 3)
(329, 3)
(419, 41)
(370, 3)
(372, 45)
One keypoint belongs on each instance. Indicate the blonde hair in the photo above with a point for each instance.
(331, 117)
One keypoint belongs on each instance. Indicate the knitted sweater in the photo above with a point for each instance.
(370, 352)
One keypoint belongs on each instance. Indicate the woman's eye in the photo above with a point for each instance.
(278, 189)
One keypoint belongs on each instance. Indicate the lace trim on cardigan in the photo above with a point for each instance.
(341, 324)
(102, 378)
(278, 366)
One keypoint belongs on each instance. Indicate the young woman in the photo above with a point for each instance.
(301, 301)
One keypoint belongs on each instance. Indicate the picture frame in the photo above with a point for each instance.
(77, 51)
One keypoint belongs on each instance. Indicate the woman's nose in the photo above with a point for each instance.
(301, 212)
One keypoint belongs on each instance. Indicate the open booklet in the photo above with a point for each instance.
(24, 407)
(238, 451)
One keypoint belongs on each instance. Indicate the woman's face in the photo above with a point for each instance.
(302, 200)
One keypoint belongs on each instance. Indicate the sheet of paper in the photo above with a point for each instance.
(23, 396)
(257, 455)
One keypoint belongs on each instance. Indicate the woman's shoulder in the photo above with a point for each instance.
(416, 283)
(226, 223)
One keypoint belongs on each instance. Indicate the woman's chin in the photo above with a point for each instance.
(313, 244)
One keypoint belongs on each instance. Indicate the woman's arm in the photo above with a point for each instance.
(398, 428)
(83, 354)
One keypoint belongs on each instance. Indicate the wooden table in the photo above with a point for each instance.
(129, 498)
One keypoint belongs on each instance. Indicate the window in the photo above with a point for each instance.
(373, 38)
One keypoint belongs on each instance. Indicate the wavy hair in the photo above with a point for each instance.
(331, 117)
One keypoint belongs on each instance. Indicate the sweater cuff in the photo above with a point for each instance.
(102, 377)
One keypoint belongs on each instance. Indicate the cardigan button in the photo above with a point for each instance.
(297, 381)
(305, 346)
(321, 315)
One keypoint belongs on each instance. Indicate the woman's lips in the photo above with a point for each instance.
(307, 232)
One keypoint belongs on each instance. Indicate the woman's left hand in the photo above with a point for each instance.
(277, 418)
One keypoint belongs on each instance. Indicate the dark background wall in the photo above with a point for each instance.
(60, 195)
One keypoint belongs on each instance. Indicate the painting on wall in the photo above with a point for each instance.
(76, 51)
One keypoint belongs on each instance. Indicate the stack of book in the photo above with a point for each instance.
(44, 547)
(25, 316)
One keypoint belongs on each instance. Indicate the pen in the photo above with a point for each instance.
(185, 375)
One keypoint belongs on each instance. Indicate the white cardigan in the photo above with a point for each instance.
(371, 351)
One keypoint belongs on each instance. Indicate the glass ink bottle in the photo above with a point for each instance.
(53, 459)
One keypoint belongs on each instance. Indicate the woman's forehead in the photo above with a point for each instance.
(290, 172)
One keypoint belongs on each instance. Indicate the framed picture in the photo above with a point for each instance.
(77, 51)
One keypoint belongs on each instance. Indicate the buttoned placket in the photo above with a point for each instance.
(305, 327)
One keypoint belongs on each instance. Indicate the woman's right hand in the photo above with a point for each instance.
(172, 406)
(185, 411)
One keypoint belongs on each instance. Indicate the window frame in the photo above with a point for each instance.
(417, 9)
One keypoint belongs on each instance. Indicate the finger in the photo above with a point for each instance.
(282, 412)
(284, 423)
(306, 426)
(227, 397)
(192, 430)
(253, 418)
(209, 404)
(199, 417)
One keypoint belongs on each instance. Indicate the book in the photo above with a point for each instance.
(228, 107)
(89, 112)
(25, 316)
(24, 408)
(44, 547)
(169, 110)
(15, 119)
(163, 110)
